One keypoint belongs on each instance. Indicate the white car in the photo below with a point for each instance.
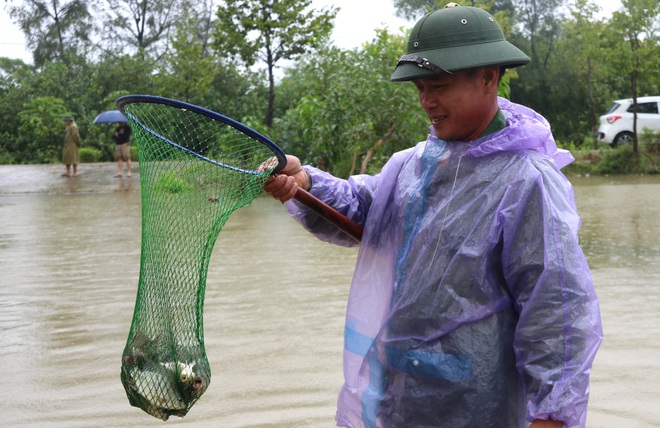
(616, 126)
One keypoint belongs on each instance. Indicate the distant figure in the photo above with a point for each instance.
(122, 150)
(71, 145)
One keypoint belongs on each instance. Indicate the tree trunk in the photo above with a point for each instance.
(353, 163)
(592, 105)
(270, 111)
(370, 152)
(367, 158)
(633, 81)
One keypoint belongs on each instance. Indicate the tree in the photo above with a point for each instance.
(128, 73)
(582, 44)
(40, 130)
(548, 84)
(54, 30)
(638, 26)
(270, 31)
(414, 9)
(185, 72)
(12, 72)
(350, 117)
(142, 25)
(539, 21)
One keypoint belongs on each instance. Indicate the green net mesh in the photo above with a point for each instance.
(194, 172)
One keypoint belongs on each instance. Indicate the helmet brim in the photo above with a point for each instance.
(499, 53)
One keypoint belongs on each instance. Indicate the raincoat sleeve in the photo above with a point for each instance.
(350, 197)
(559, 329)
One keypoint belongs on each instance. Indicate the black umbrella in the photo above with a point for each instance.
(110, 116)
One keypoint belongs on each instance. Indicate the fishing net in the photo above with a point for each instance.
(195, 170)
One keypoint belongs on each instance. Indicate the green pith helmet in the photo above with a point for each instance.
(68, 117)
(455, 38)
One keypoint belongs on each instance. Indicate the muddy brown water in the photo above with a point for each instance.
(275, 300)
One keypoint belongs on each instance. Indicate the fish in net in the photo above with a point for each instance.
(196, 168)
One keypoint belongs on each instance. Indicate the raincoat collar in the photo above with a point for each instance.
(498, 123)
(525, 130)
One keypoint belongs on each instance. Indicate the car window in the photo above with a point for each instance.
(645, 108)
(613, 108)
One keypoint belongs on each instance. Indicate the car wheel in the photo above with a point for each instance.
(623, 138)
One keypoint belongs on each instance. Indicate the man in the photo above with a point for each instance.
(72, 143)
(122, 136)
(472, 304)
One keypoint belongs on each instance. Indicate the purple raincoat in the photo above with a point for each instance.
(472, 303)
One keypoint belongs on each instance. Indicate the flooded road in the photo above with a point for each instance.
(274, 310)
(621, 237)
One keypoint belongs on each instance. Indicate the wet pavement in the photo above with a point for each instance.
(91, 178)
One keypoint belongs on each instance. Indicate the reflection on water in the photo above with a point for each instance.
(621, 237)
(621, 221)
(274, 311)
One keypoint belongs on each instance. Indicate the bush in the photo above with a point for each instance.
(134, 153)
(585, 160)
(650, 141)
(89, 155)
(619, 161)
(6, 158)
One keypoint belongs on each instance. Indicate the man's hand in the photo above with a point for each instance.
(284, 185)
(538, 423)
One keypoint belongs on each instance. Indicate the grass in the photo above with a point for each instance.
(620, 160)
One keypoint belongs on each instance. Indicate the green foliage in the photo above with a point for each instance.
(579, 62)
(119, 75)
(89, 155)
(349, 111)
(6, 158)
(638, 27)
(54, 30)
(269, 32)
(236, 93)
(11, 100)
(650, 141)
(621, 160)
(99, 138)
(185, 71)
(40, 132)
(334, 108)
(578, 71)
(140, 27)
(545, 85)
(414, 9)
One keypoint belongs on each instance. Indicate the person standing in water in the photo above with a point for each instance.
(472, 303)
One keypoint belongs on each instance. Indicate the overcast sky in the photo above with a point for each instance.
(355, 24)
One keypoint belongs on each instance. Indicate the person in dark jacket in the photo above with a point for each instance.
(122, 137)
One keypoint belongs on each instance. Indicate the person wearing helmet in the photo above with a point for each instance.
(472, 304)
(71, 145)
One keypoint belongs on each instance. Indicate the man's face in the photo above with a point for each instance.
(458, 105)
